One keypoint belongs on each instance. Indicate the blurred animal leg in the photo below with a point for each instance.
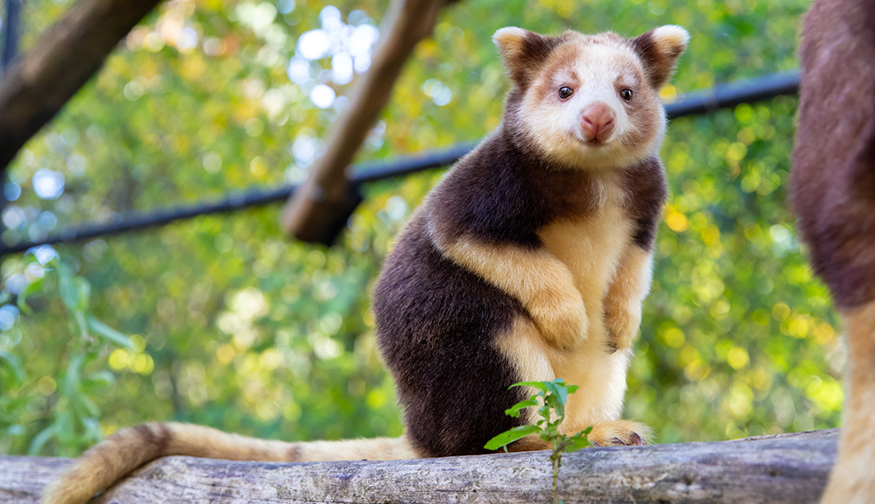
(852, 480)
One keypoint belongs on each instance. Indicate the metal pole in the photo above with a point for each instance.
(10, 33)
(10, 48)
(699, 102)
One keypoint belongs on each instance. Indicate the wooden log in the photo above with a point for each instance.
(788, 468)
(318, 210)
(40, 82)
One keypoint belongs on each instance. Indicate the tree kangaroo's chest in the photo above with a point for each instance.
(591, 246)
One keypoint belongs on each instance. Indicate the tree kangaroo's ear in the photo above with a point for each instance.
(523, 52)
(659, 50)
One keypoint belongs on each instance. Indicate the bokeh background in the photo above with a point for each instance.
(234, 326)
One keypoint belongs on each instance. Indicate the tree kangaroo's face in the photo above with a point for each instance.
(591, 100)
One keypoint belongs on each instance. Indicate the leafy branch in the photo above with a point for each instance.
(550, 401)
(63, 397)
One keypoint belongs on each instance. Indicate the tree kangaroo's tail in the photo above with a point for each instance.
(111, 459)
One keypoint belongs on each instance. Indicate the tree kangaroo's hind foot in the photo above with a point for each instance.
(620, 433)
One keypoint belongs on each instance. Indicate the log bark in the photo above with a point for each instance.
(318, 210)
(788, 468)
(40, 82)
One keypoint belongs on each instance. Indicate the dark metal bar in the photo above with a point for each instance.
(135, 221)
(374, 171)
(722, 96)
(10, 33)
(10, 48)
(736, 93)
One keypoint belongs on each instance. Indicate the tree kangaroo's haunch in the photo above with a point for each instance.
(528, 261)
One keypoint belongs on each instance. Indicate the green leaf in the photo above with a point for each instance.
(71, 377)
(83, 293)
(101, 378)
(93, 432)
(577, 443)
(69, 292)
(90, 408)
(81, 323)
(560, 411)
(536, 384)
(14, 364)
(42, 438)
(109, 333)
(553, 429)
(66, 429)
(31, 288)
(21, 303)
(558, 388)
(508, 437)
(514, 410)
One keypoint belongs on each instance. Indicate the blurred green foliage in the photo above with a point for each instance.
(71, 416)
(236, 327)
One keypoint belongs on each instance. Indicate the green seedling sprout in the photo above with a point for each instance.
(550, 401)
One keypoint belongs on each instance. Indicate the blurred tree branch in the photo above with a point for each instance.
(40, 82)
(318, 210)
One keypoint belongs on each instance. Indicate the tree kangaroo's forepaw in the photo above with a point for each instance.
(622, 325)
(562, 323)
(620, 433)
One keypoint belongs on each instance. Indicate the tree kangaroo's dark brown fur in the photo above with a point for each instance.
(833, 192)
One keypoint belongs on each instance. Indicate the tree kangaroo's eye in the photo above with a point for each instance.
(565, 92)
(626, 94)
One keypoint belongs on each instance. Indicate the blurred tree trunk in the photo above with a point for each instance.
(318, 210)
(40, 82)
